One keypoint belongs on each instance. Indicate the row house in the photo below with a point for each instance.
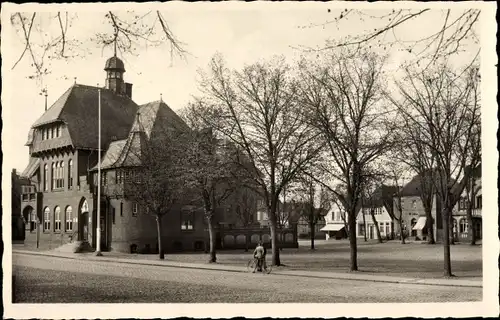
(335, 223)
(380, 205)
(460, 220)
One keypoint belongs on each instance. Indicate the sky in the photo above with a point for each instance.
(243, 33)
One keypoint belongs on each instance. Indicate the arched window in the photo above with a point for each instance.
(46, 219)
(53, 174)
(57, 219)
(46, 177)
(69, 219)
(70, 174)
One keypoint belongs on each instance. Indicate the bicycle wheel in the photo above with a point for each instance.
(251, 265)
(268, 268)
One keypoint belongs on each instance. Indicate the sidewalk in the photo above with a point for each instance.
(358, 276)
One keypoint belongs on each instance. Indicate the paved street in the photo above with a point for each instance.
(52, 280)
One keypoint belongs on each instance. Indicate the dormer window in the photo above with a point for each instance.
(51, 131)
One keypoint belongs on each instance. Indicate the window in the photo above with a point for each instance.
(69, 218)
(53, 174)
(58, 128)
(464, 226)
(46, 177)
(46, 219)
(187, 221)
(33, 222)
(135, 209)
(381, 227)
(479, 202)
(387, 228)
(121, 209)
(361, 229)
(104, 178)
(119, 176)
(414, 204)
(61, 176)
(43, 134)
(57, 219)
(70, 174)
(113, 214)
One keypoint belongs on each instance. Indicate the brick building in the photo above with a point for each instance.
(63, 150)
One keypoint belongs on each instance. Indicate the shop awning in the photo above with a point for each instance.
(333, 227)
(420, 223)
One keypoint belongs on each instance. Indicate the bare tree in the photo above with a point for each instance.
(414, 151)
(396, 174)
(455, 31)
(208, 166)
(263, 118)
(343, 96)
(370, 202)
(49, 36)
(245, 201)
(153, 178)
(471, 191)
(313, 203)
(445, 106)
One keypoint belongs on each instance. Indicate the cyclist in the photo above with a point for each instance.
(259, 255)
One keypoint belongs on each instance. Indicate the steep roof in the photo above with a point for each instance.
(380, 196)
(151, 118)
(78, 108)
(30, 137)
(31, 168)
(157, 116)
(411, 189)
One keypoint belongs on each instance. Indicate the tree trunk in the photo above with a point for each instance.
(446, 242)
(379, 237)
(429, 226)
(312, 235)
(274, 245)
(160, 245)
(450, 225)
(352, 239)
(401, 231)
(364, 224)
(472, 230)
(211, 234)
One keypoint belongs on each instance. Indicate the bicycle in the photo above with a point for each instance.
(251, 266)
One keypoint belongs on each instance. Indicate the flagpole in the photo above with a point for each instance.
(98, 227)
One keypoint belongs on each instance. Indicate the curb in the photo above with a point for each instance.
(337, 276)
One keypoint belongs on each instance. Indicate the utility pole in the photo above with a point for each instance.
(98, 227)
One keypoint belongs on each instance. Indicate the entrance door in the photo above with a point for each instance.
(477, 226)
(371, 231)
(85, 226)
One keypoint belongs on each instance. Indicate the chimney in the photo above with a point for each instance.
(128, 90)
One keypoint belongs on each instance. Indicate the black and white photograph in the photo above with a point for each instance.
(256, 159)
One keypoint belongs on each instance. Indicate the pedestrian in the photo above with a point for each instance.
(259, 254)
